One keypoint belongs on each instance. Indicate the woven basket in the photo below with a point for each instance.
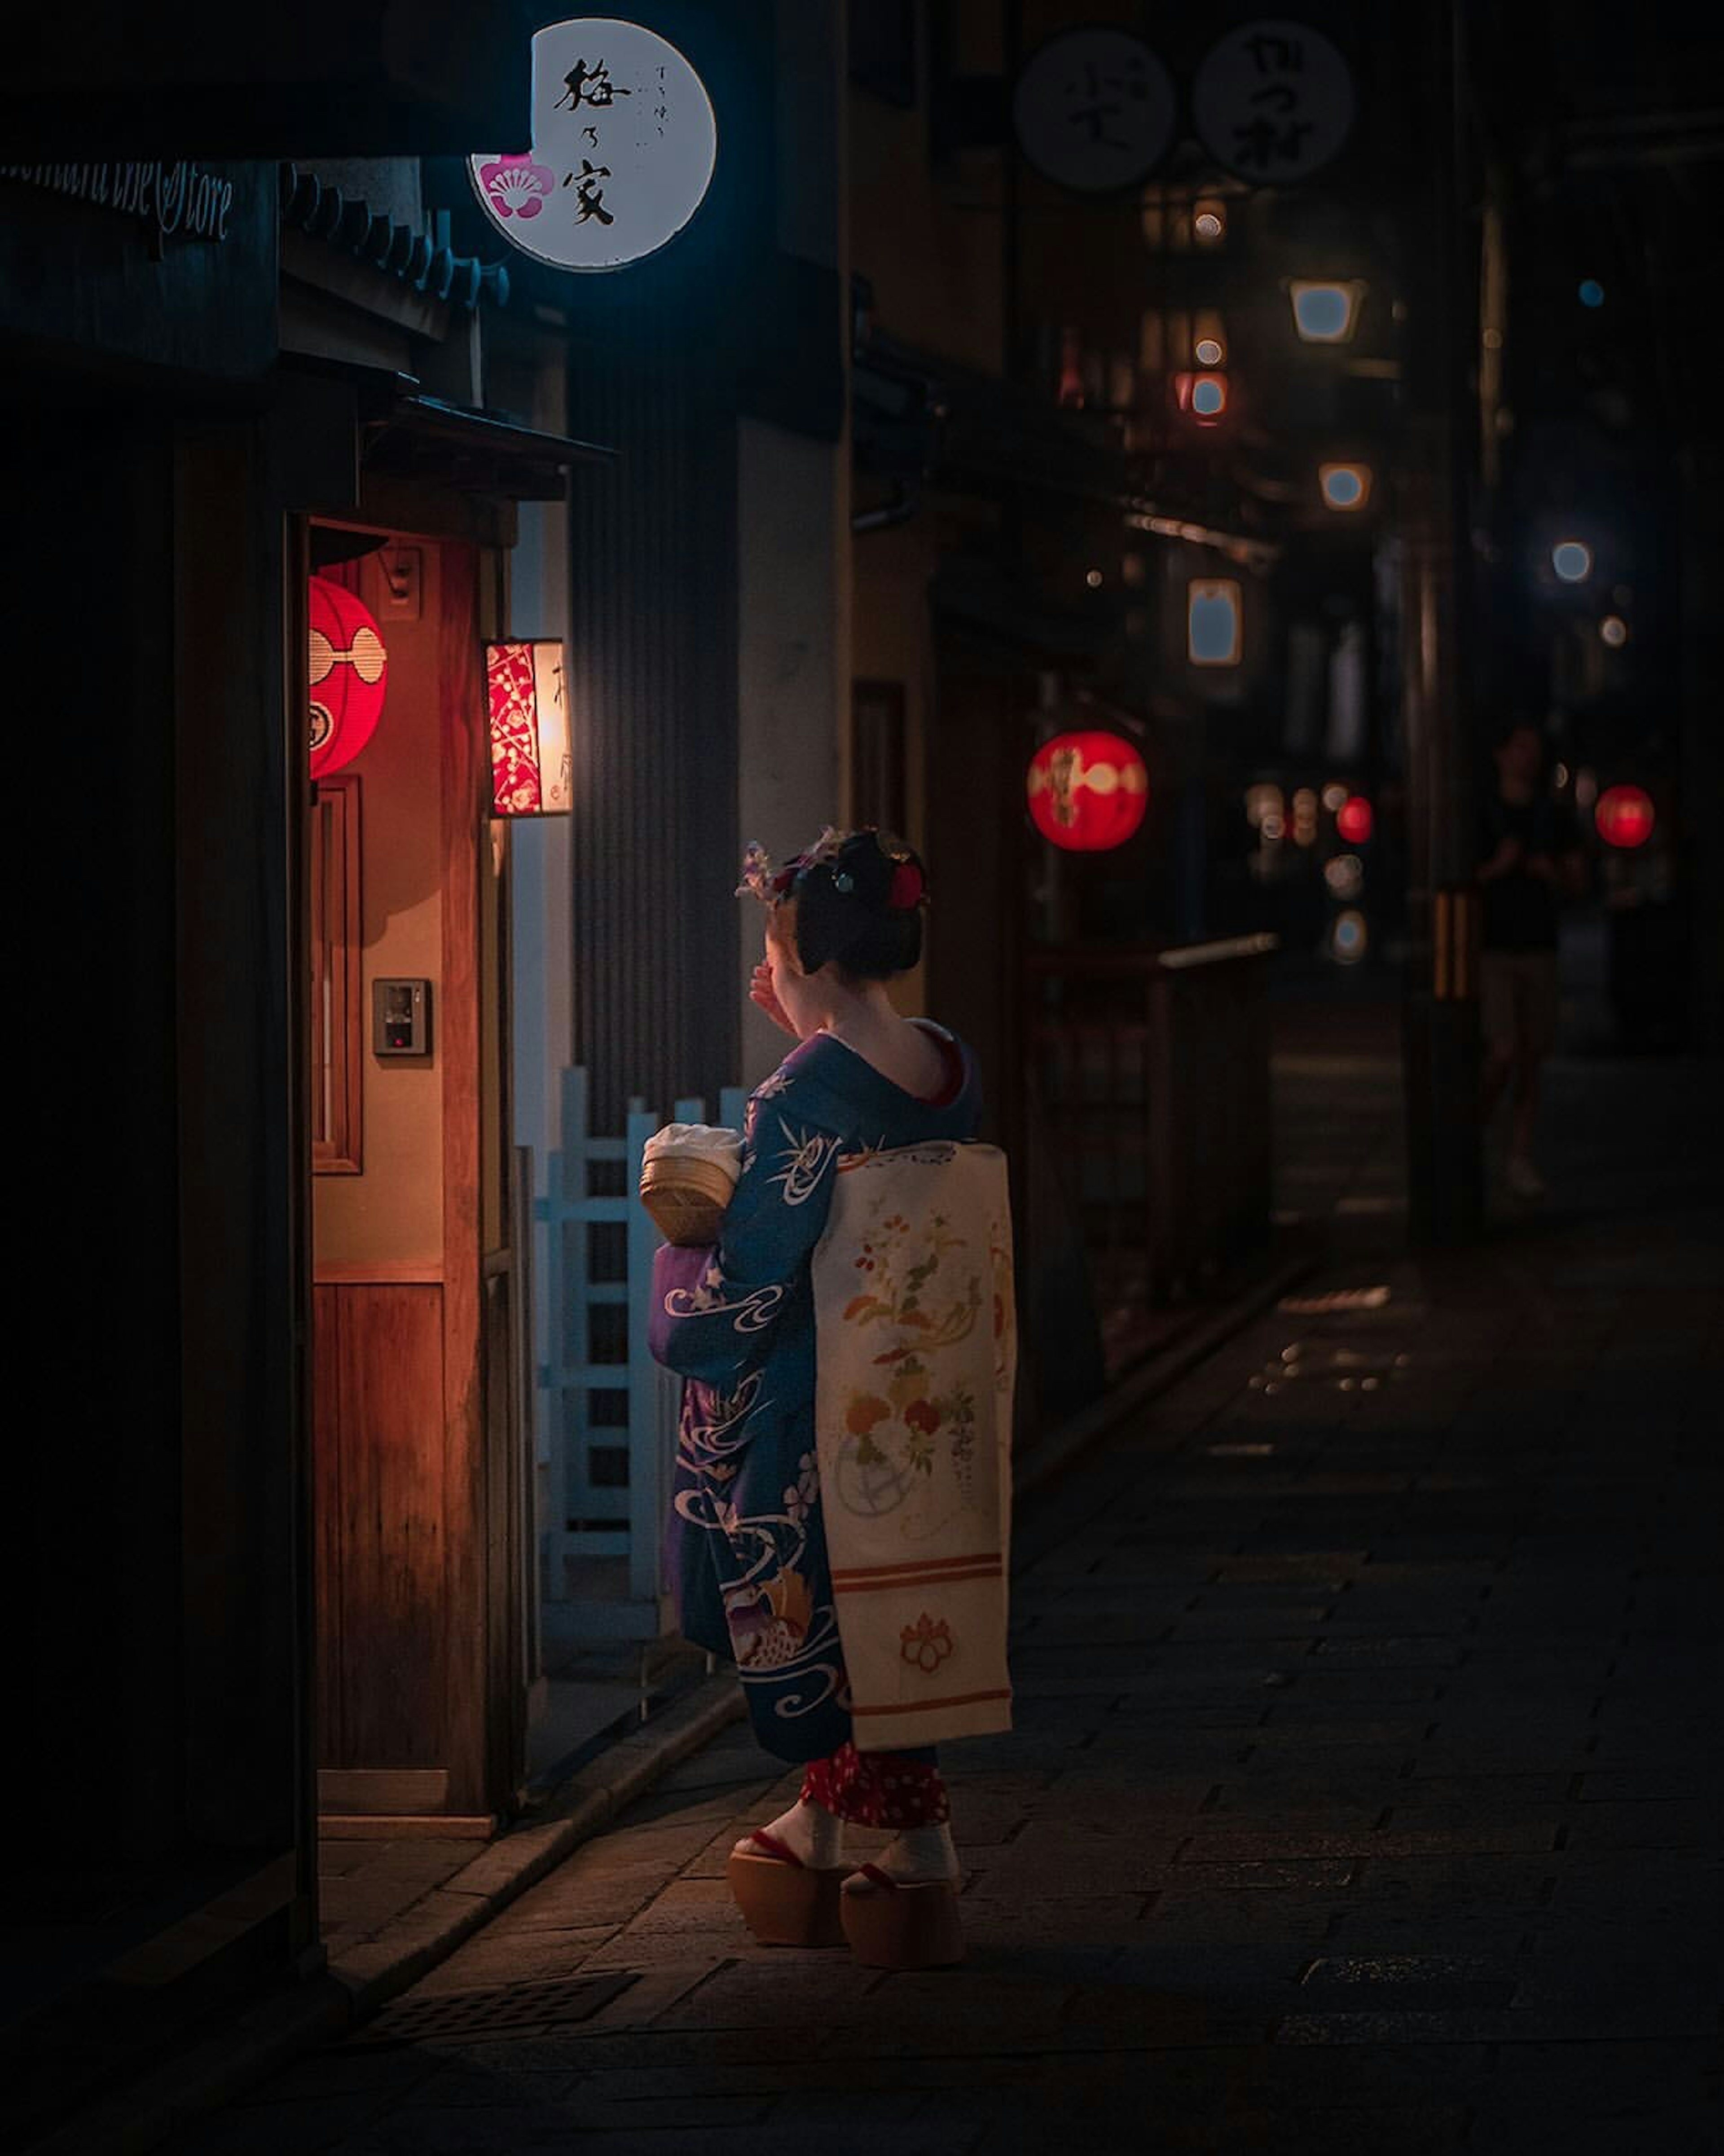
(686, 1197)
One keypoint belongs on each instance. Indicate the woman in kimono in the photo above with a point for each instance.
(824, 1339)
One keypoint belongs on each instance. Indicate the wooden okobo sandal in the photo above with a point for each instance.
(890, 1924)
(784, 1901)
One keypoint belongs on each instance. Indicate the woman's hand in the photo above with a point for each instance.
(765, 997)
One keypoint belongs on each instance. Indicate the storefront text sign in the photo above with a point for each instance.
(177, 201)
(1094, 110)
(624, 143)
(168, 262)
(1273, 101)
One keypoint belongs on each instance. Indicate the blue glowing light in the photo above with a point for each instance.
(1571, 560)
(1322, 313)
(1591, 292)
(1343, 488)
(1212, 624)
(1207, 397)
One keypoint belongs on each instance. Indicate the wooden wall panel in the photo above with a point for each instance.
(326, 1514)
(383, 1605)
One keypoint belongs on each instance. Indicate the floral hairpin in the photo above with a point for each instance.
(762, 880)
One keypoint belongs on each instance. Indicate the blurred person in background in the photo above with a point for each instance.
(1530, 860)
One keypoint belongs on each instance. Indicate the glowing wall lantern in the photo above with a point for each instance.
(529, 728)
(1325, 311)
(1623, 816)
(349, 670)
(1345, 486)
(1214, 621)
(1087, 792)
(1353, 819)
(1202, 397)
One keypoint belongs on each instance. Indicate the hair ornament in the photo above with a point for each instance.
(762, 880)
(907, 887)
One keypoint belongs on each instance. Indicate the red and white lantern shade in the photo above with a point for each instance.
(1087, 792)
(529, 728)
(1623, 816)
(349, 671)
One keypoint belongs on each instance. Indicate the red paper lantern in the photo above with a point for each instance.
(348, 669)
(1623, 816)
(1353, 819)
(1087, 790)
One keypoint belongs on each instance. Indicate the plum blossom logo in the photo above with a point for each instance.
(515, 187)
(924, 1644)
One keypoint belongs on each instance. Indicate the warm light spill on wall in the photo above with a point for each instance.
(529, 728)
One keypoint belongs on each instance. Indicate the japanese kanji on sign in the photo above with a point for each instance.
(1273, 101)
(1094, 111)
(624, 144)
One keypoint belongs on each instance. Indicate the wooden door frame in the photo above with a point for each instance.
(482, 1729)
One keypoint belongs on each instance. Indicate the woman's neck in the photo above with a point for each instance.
(859, 1014)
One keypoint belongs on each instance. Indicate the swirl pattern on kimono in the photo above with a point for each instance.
(751, 1315)
(714, 1424)
(810, 1154)
(782, 1638)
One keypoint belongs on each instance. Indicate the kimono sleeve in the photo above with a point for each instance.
(713, 1309)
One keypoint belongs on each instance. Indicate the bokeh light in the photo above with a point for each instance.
(1573, 559)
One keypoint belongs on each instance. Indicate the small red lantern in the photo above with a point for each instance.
(348, 669)
(1623, 816)
(1353, 819)
(1087, 790)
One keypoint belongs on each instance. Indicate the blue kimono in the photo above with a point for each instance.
(746, 1544)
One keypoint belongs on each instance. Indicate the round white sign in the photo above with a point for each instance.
(1273, 101)
(624, 142)
(1094, 111)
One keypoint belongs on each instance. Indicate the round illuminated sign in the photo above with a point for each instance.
(624, 143)
(1094, 110)
(1273, 101)
(1088, 791)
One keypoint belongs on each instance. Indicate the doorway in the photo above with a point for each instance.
(420, 1684)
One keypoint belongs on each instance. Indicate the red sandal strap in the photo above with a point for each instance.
(779, 1852)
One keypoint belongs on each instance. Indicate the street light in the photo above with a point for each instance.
(1573, 559)
(1213, 621)
(1210, 340)
(1208, 224)
(1325, 311)
(1345, 486)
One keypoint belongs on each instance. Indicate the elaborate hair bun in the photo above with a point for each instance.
(858, 902)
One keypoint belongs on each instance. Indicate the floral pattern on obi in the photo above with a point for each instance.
(926, 1643)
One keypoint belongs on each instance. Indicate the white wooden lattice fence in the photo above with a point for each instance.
(607, 1412)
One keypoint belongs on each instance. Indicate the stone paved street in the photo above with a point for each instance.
(1363, 1797)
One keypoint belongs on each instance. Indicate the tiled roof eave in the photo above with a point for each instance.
(349, 224)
